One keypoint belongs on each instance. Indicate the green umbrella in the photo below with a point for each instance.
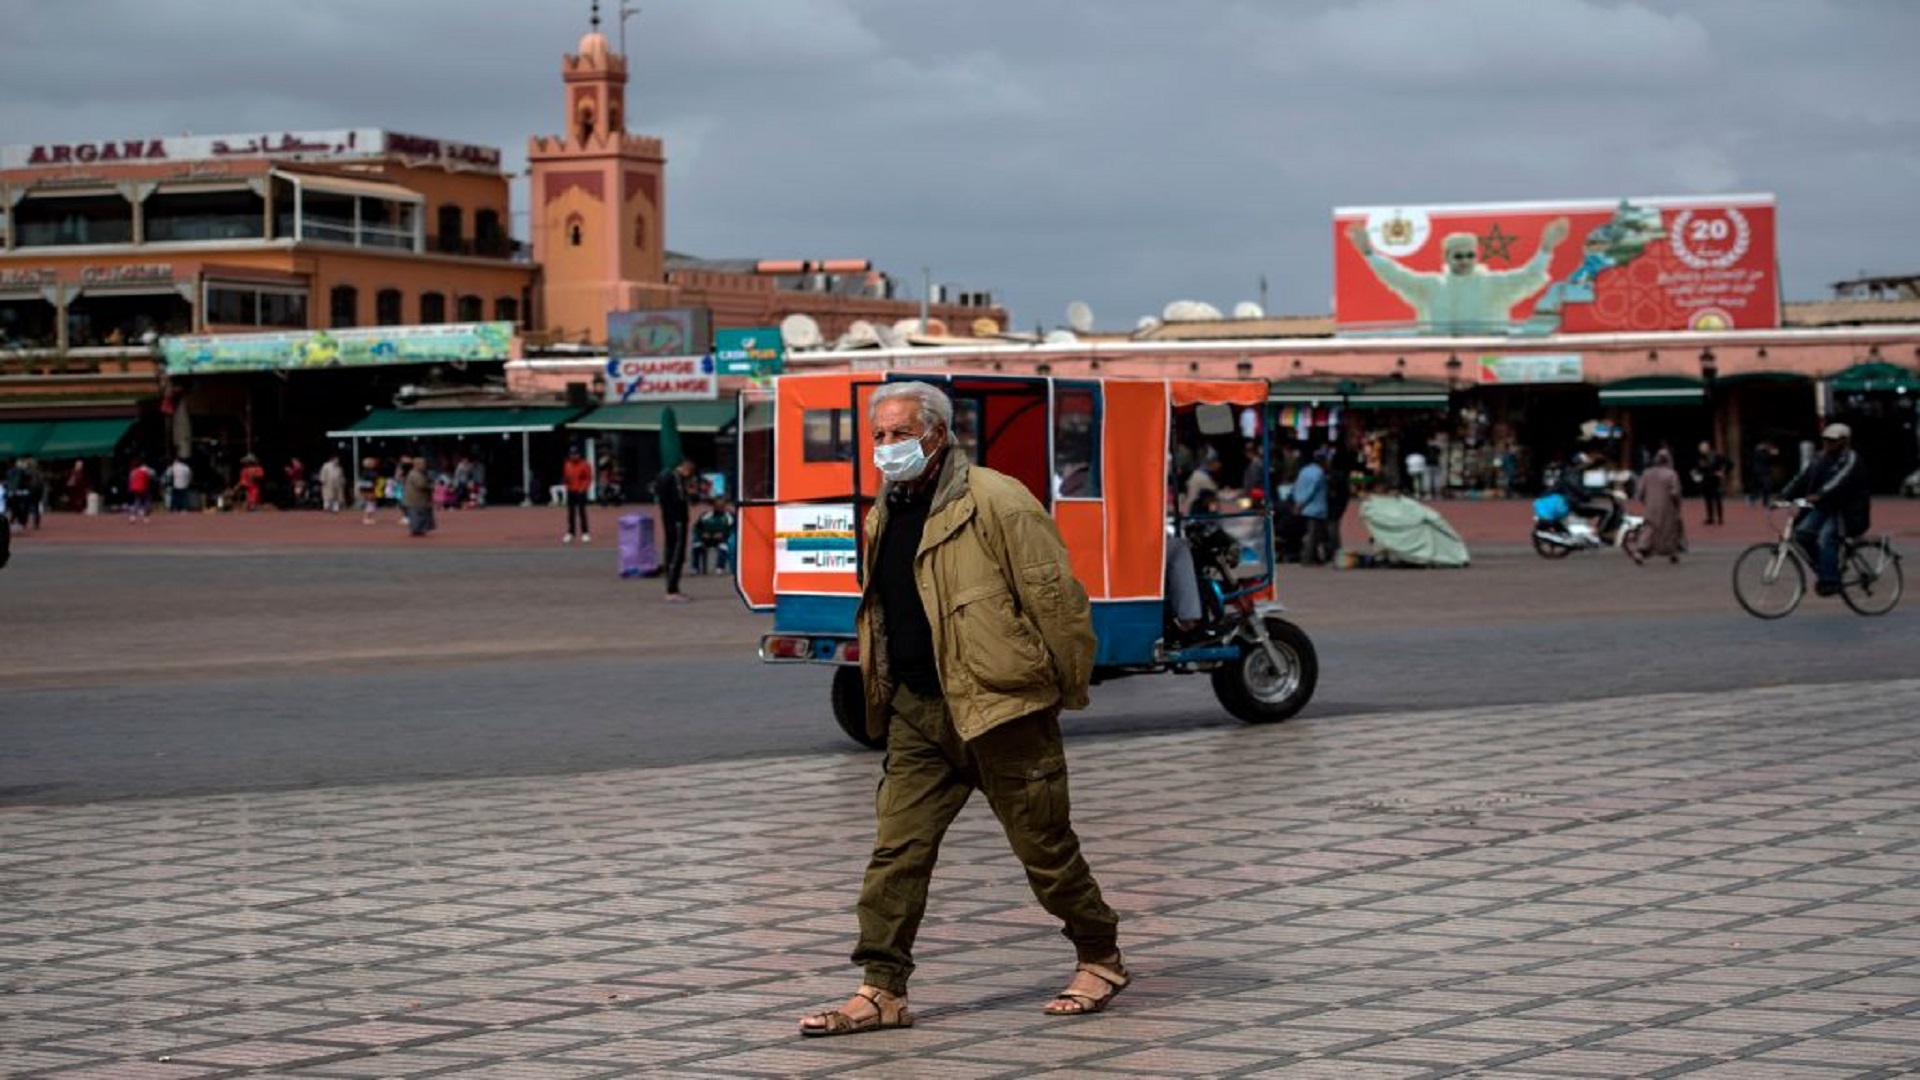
(670, 452)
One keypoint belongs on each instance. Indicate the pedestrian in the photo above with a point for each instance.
(253, 476)
(369, 489)
(670, 495)
(140, 482)
(1310, 503)
(1665, 531)
(1711, 476)
(1339, 467)
(333, 484)
(296, 471)
(416, 498)
(973, 635)
(34, 499)
(179, 485)
(79, 486)
(1760, 473)
(577, 477)
(1415, 479)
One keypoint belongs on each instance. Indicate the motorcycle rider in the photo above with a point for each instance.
(1597, 505)
(1835, 486)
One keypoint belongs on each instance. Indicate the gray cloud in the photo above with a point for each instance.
(1123, 152)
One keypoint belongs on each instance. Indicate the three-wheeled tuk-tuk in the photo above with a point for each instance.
(1095, 451)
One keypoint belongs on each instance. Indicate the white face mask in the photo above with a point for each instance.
(902, 461)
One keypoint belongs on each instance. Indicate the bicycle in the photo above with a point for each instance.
(1770, 579)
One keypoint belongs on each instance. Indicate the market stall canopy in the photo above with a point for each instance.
(1876, 375)
(1654, 390)
(62, 438)
(1411, 532)
(485, 420)
(706, 417)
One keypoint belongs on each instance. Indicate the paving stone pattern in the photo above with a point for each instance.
(1704, 885)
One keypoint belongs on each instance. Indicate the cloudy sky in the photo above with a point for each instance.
(1122, 152)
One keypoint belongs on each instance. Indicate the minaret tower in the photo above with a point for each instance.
(597, 207)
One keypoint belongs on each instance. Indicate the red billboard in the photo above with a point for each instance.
(1600, 266)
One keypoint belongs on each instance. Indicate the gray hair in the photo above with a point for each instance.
(935, 408)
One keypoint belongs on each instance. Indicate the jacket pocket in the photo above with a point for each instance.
(999, 648)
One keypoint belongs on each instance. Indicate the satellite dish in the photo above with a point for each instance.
(903, 327)
(1190, 311)
(1247, 309)
(892, 337)
(985, 327)
(1080, 317)
(860, 335)
(1061, 337)
(799, 331)
(1147, 322)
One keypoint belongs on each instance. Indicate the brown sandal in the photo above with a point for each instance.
(890, 1011)
(1071, 1002)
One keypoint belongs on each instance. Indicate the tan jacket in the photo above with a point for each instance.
(1012, 629)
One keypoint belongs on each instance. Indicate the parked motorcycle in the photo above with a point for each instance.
(1558, 532)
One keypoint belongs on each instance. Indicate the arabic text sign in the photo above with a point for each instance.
(755, 351)
(212, 353)
(1603, 266)
(814, 539)
(661, 378)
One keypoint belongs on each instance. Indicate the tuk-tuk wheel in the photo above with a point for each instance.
(850, 706)
(1253, 690)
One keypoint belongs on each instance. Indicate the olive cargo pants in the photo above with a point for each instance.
(929, 775)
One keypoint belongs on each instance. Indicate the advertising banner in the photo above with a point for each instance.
(756, 351)
(661, 378)
(203, 354)
(659, 332)
(1533, 369)
(1519, 269)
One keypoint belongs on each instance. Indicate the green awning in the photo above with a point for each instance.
(1310, 391)
(487, 420)
(85, 438)
(62, 438)
(1393, 393)
(1876, 375)
(1388, 393)
(696, 416)
(19, 438)
(1654, 390)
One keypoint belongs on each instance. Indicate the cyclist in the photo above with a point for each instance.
(1835, 487)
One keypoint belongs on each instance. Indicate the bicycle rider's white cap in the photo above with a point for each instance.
(1837, 431)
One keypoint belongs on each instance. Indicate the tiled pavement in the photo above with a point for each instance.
(1715, 886)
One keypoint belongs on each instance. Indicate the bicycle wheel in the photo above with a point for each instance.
(1769, 580)
(1871, 582)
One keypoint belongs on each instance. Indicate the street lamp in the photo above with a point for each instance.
(1709, 371)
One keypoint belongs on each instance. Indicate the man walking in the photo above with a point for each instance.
(676, 518)
(973, 636)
